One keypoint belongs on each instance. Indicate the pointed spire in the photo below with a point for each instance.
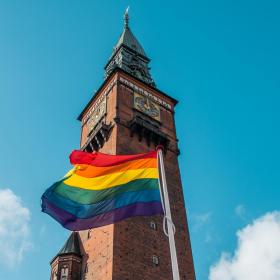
(126, 18)
(71, 246)
(129, 56)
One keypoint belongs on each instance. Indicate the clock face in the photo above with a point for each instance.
(96, 115)
(147, 106)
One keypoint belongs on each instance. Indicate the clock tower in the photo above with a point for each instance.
(127, 115)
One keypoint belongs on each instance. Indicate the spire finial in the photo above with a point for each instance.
(126, 17)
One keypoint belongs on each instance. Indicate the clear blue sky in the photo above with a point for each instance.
(220, 59)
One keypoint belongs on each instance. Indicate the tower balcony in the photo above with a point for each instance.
(97, 137)
(149, 130)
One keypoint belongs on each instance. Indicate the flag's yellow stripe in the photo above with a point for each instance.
(111, 180)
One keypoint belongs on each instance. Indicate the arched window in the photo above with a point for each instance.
(64, 273)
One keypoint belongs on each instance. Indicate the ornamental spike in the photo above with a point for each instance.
(126, 17)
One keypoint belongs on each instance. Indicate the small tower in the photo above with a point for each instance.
(67, 264)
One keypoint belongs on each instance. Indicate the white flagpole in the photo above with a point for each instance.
(168, 219)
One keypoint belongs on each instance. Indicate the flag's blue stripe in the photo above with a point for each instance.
(90, 210)
(73, 223)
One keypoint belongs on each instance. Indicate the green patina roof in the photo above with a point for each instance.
(129, 40)
(129, 56)
(71, 246)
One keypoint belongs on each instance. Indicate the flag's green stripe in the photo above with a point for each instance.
(84, 196)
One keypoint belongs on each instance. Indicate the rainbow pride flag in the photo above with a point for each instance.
(102, 189)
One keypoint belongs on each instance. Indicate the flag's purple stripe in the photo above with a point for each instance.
(73, 223)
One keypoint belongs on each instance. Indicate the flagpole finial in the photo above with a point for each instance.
(159, 147)
(126, 17)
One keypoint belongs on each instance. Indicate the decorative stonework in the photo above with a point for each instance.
(98, 101)
(146, 106)
(144, 92)
(97, 137)
(148, 131)
(97, 115)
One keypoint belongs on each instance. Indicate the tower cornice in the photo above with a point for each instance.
(109, 78)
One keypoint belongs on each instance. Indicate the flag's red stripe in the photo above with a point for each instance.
(103, 160)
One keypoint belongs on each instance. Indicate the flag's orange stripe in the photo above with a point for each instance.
(90, 171)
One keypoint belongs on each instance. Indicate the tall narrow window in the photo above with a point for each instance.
(64, 273)
(155, 260)
(153, 225)
(86, 268)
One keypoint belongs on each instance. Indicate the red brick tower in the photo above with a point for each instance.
(129, 115)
